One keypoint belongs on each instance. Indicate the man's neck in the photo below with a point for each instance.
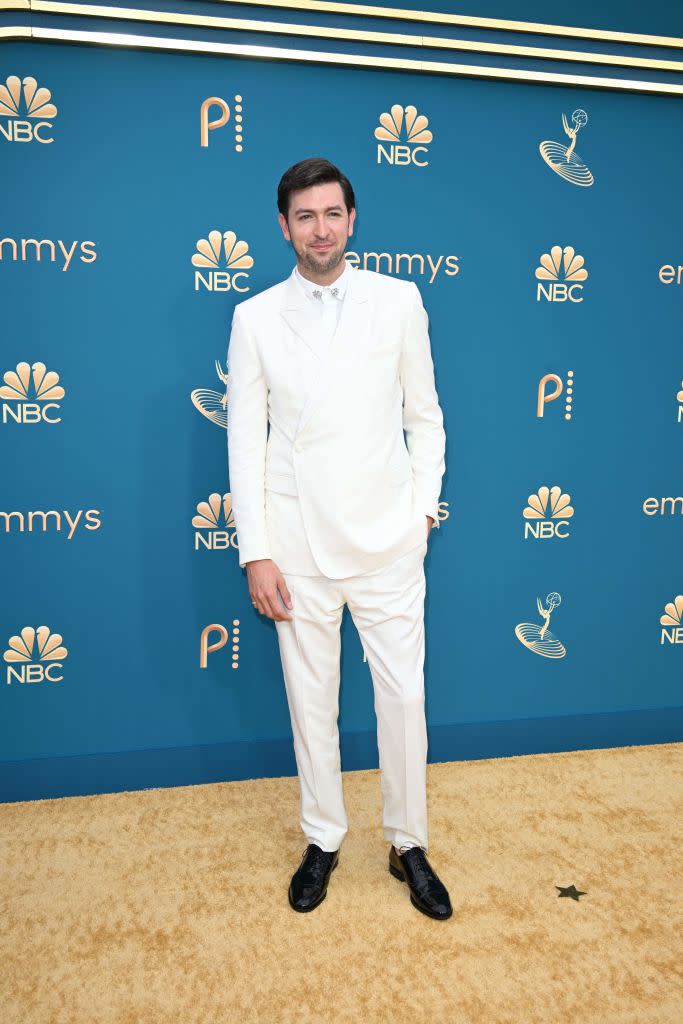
(324, 279)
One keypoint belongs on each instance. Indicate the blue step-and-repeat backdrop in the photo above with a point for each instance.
(543, 228)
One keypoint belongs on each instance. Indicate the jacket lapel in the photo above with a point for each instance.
(295, 311)
(348, 341)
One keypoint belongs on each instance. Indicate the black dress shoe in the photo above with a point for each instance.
(308, 887)
(427, 892)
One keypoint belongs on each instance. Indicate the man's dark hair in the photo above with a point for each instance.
(314, 170)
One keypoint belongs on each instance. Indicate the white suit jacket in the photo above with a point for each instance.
(336, 412)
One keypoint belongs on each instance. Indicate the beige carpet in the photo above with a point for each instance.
(169, 906)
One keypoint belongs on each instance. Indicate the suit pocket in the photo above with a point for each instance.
(283, 483)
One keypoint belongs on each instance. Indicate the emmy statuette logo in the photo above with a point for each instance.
(31, 394)
(407, 136)
(672, 622)
(537, 638)
(213, 404)
(208, 646)
(562, 269)
(26, 111)
(549, 512)
(564, 160)
(224, 263)
(35, 656)
(206, 125)
(550, 389)
(214, 524)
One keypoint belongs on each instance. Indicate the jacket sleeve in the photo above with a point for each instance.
(247, 395)
(422, 415)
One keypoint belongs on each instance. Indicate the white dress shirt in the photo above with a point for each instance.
(324, 302)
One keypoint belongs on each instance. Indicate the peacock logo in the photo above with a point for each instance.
(406, 136)
(31, 394)
(26, 110)
(672, 622)
(214, 523)
(562, 269)
(547, 512)
(222, 263)
(38, 655)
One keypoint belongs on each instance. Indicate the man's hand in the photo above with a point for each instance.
(266, 583)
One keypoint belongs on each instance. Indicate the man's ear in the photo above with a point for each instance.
(283, 224)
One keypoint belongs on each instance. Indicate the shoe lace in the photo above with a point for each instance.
(317, 861)
(423, 874)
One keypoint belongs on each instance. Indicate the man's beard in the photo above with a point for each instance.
(323, 263)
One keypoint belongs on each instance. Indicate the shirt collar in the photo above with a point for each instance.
(310, 286)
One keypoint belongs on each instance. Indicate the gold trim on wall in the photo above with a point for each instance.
(437, 18)
(15, 32)
(343, 59)
(349, 34)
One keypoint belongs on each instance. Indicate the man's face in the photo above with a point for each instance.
(318, 226)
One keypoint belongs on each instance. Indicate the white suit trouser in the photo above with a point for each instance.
(387, 608)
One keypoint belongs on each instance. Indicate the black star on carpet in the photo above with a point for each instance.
(570, 890)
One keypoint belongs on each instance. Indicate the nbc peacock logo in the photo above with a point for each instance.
(547, 513)
(403, 137)
(31, 394)
(672, 622)
(214, 524)
(35, 656)
(223, 262)
(562, 270)
(213, 404)
(26, 111)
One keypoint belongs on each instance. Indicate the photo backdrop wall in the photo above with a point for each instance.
(542, 224)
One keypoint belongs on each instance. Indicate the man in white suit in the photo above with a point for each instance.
(332, 508)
